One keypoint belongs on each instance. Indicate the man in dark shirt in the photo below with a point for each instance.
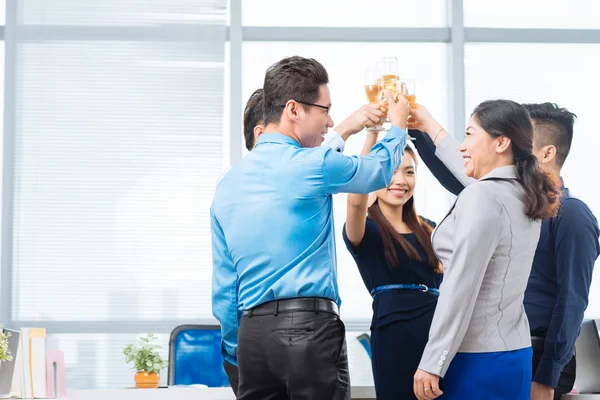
(559, 284)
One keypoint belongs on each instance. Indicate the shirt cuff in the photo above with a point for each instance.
(334, 141)
(548, 372)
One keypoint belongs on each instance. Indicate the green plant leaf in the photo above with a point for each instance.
(145, 356)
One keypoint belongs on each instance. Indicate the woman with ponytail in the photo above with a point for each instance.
(479, 340)
(391, 245)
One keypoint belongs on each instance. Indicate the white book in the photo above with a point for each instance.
(25, 368)
(38, 366)
(52, 343)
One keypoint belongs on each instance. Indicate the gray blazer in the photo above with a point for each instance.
(486, 245)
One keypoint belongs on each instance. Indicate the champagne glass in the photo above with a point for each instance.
(389, 75)
(406, 88)
(373, 90)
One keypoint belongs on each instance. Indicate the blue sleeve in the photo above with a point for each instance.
(224, 292)
(364, 174)
(426, 150)
(427, 221)
(576, 249)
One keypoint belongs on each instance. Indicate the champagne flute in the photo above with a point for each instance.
(389, 73)
(390, 76)
(373, 89)
(406, 88)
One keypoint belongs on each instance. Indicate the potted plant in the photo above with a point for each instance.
(146, 361)
(4, 350)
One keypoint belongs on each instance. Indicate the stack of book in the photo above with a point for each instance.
(37, 370)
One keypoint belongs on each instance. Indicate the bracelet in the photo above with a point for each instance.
(438, 134)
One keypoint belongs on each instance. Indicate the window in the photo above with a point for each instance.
(549, 74)
(345, 63)
(122, 12)
(345, 13)
(118, 143)
(96, 360)
(120, 120)
(555, 14)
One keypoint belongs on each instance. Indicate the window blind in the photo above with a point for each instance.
(118, 144)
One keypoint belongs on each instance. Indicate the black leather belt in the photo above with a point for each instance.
(537, 343)
(314, 304)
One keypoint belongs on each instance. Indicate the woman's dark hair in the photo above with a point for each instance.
(416, 224)
(510, 119)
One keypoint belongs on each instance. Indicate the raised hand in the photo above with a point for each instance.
(397, 112)
(365, 117)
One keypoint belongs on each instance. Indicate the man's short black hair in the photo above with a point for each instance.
(553, 125)
(293, 78)
(253, 115)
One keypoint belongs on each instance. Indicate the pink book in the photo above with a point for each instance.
(55, 374)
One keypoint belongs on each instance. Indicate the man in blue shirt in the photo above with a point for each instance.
(561, 275)
(274, 264)
(254, 127)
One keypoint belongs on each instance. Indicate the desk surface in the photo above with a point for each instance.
(194, 393)
(183, 393)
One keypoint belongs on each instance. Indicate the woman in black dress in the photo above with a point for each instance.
(391, 245)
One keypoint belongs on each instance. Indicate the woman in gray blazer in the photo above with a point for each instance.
(479, 340)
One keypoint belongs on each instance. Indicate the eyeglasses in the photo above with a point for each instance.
(326, 108)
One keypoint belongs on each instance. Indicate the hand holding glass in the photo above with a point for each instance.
(406, 88)
(373, 90)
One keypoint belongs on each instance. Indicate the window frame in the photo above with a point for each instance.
(455, 34)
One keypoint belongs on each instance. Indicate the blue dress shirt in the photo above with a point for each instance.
(557, 291)
(272, 223)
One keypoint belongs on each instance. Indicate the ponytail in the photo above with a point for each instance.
(542, 191)
(510, 119)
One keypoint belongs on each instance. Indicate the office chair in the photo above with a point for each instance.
(587, 351)
(195, 356)
(365, 341)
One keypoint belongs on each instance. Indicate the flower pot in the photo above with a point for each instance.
(146, 380)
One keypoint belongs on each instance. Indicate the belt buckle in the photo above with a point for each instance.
(426, 289)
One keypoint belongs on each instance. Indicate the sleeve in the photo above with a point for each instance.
(448, 152)
(478, 215)
(426, 150)
(576, 249)
(428, 221)
(334, 141)
(364, 174)
(224, 292)
(371, 230)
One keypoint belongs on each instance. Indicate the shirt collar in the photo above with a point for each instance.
(565, 190)
(506, 172)
(274, 137)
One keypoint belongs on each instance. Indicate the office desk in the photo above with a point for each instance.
(183, 393)
(195, 393)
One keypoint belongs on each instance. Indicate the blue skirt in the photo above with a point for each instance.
(504, 375)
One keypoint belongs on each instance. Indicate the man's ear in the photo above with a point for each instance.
(292, 110)
(258, 130)
(548, 154)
